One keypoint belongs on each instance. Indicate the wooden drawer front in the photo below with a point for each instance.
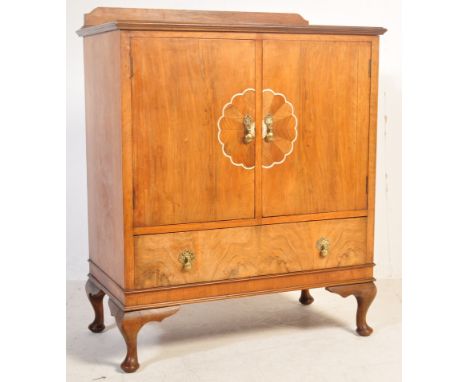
(233, 253)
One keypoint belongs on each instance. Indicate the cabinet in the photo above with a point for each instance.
(229, 154)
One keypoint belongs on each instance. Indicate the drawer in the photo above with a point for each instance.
(231, 253)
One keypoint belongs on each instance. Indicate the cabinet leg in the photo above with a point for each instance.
(95, 296)
(130, 323)
(306, 298)
(365, 294)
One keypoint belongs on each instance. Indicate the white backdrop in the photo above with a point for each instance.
(385, 13)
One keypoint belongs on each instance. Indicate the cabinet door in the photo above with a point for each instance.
(180, 87)
(317, 93)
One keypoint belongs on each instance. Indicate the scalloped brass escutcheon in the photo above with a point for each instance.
(186, 258)
(323, 245)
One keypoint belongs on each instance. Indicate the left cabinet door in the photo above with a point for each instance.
(190, 97)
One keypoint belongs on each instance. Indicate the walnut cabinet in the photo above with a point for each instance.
(229, 154)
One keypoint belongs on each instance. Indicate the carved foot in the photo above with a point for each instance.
(95, 296)
(365, 294)
(306, 298)
(130, 323)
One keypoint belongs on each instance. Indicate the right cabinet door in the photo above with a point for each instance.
(316, 124)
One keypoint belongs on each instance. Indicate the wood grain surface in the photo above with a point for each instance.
(148, 129)
(246, 252)
(127, 154)
(95, 297)
(103, 15)
(194, 293)
(283, 128)
(220, 27)
(365, 294)
(328, 84)
(374, 95)
(180, 87)
(102, 20)
(104, 153)
(130, 323)
(232, 129)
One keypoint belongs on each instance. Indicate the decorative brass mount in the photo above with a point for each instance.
(323, 245)
(186, 258)
(249, 126)
(268, 121)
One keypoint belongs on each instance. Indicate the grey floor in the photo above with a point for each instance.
(263, 338)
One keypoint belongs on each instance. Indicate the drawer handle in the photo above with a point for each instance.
(269, 136)
(323, 245)
(186, 258)
(249, 126)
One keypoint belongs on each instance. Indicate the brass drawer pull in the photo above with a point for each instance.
(249, 126)
(268, 121)
(323, 245)
(186, 258)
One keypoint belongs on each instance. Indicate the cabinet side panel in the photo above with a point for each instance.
(372, 148)
(104, 153)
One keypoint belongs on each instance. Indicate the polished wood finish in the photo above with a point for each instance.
(95, 297)
(127, 154)
(169, 169)
(306, 298)
(231, 129)
(372, 148)
(105, 283)
(258, 129)
(247, 252)
(103, 15)
(201, 292)
(180, 174)
(327, 169)
(283, 122)
(130, 323)
(130, 300)
(365, 294)
(250, 36)
(104, 153)
(193, 27)
(249, 222)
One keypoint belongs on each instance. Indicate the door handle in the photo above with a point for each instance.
(249, 129)
(269, 135)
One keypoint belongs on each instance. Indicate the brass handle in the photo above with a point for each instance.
(249, 126)
(186, 258)
(323, 245)
(269, 136)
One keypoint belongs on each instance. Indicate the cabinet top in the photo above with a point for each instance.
(107, 19)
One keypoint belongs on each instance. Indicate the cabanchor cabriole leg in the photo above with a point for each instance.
(365, 294)
(95, 296)
(130, 323)
(306, 298)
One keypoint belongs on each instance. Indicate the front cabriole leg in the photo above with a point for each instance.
(365, 294)
(130, 323)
